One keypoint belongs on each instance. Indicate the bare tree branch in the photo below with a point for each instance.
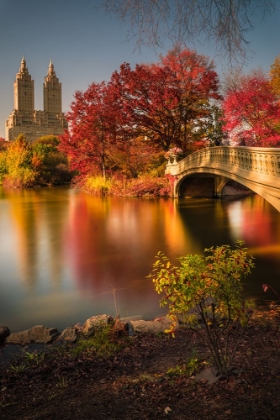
(223, 24)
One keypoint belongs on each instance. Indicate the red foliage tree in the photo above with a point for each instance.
(93, 130)
(252, 112)
(139, 114)
(166, 101)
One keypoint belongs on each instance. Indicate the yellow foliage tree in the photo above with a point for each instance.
(19, 163)
(275, 76)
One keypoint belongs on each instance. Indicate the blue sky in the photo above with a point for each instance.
(87, 45)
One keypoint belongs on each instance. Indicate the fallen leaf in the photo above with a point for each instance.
(167, 410)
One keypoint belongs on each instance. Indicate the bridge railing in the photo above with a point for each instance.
(261, 160)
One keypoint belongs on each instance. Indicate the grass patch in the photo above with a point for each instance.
(103, 343)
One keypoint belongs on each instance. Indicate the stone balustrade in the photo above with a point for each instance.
(255, 167)
(254, 159)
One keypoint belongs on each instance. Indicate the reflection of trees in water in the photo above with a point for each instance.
(251, 218)
(112, 242)
(58, 235)
(206, 221)
(212, 222)
(36, 228)
(258, 223)
(255, 221)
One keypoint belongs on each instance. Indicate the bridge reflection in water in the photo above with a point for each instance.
(256, 168)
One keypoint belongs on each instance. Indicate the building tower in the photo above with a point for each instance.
(23, 89)
(52, 92)
(24, 119)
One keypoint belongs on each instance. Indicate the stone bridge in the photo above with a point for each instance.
(257, 168)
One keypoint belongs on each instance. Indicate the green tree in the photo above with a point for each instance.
(206, 293)
(213, 127)
(3, 166)
(50, 164)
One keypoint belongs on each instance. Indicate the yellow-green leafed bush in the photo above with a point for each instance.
(21, 177)
(206, 292)
(98, 185)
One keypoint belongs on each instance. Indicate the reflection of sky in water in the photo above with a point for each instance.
(235, 219)
(63, 254)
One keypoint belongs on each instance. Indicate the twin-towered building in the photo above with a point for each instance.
(24, 119)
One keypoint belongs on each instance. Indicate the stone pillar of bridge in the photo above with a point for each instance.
(220, 182)
(174, 181)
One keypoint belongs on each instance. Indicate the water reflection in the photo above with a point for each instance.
(256, 221)
(36, 232)
(111, 244)
(65, 254)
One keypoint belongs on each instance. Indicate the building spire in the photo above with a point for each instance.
(51, 71)
(22, 65)
(52, 92)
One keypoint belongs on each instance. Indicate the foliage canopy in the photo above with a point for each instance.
(252, 112)
(122, 125)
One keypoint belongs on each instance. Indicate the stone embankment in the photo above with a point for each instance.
(43, 335)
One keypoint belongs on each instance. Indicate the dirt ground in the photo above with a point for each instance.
(152, 377)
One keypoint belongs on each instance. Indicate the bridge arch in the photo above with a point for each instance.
(215, 189)
(254, 167)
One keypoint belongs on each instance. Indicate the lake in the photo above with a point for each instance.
(66, 256)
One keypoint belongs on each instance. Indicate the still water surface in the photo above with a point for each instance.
(65, 255)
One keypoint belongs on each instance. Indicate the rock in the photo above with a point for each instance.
(119, 329)
(70, 334)
(159, 325)
(208, 375)
(37, 334)
(4, 332)
(96, 322)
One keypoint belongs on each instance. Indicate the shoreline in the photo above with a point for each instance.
(151, 377)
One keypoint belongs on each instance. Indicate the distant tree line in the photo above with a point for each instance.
(24, 164)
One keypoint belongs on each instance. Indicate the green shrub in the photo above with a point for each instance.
(205, 292)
